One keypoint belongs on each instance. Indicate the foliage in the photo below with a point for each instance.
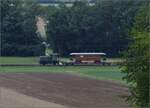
(137, 59)
(100, 28)
(18, 28)
(81, 28)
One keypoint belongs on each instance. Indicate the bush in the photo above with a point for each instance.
(136, 66)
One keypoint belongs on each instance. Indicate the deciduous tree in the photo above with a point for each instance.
(136, 66)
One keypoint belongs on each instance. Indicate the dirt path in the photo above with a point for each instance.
(68, 90)
(12, 99)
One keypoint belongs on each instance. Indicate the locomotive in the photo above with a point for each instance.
(52, 59)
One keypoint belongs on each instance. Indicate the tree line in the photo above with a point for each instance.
(18, 28)
(103, 27)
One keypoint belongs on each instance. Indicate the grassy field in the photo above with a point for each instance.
(111, 73)
(18, 60)
(98, 72)
(34, 60)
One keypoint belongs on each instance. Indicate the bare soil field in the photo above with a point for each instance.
(68, 90)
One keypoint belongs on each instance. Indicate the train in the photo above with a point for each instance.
(75, 59)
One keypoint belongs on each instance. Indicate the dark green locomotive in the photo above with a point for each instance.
(52, 59)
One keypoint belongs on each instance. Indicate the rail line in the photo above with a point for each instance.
(50, 65)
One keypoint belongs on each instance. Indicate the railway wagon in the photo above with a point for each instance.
(86, 58)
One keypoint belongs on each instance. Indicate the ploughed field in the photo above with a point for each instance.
(72, 91)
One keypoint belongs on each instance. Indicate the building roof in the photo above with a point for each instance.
(96, 53)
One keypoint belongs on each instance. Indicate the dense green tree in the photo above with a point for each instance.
(18, 28)
(103, 27)
(100, 28)
(136, 66)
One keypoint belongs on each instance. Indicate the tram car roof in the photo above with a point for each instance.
(96, 53)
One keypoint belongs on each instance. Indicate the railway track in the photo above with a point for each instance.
(37, 65)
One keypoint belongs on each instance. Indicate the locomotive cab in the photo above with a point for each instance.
(52, 59)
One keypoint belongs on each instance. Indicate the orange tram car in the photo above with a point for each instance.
(87, 58)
